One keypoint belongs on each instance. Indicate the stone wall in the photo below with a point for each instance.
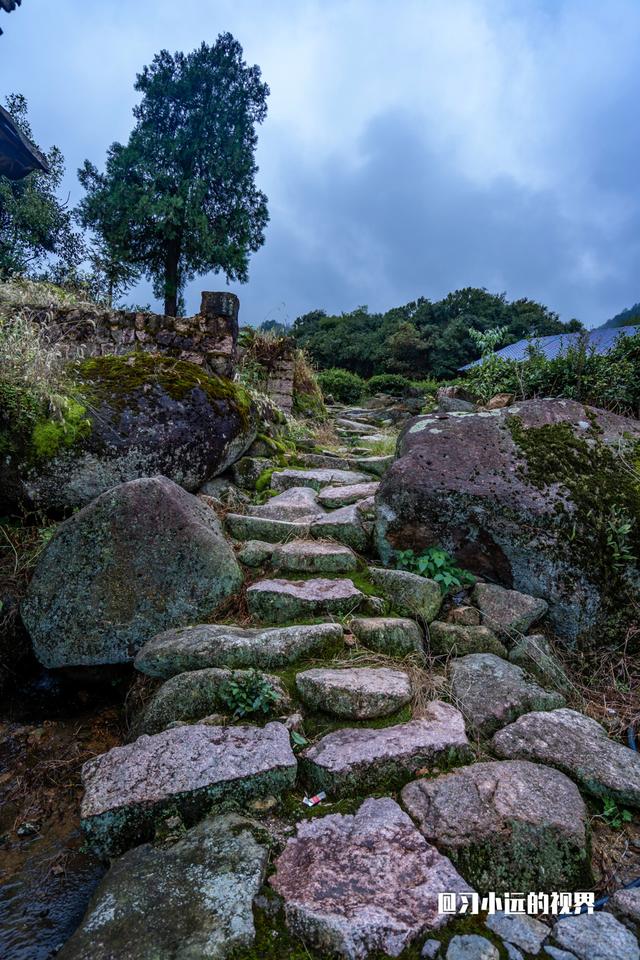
(209, 338)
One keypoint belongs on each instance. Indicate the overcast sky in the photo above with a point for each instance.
(411, 148)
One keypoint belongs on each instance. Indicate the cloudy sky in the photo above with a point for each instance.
(410, 148)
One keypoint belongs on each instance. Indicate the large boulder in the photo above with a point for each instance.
(536, 497)
(143, 557)
(143, 415)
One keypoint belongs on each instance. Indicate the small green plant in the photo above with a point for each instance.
(619, 526)
(247, 693)
(342, 385)
(438, 565)
(613, 815)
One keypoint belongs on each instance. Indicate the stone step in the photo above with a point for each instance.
(577, 745)
(395, 636)
(313, 556)
(492, 692)
(453, 639)
(277, 601)
(410, 594)
(335, 497)
(524, 825)
(244, 527)
(355, 693)
(220, 645)
(355, 427)
(296, 503)
(317, 479)
(507, 610)
(363, 884)
(347, 525)
(220, 864)
(375, 465)
(129, 788)
(356, 760)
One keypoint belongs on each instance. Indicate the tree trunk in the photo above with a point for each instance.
(171, 278)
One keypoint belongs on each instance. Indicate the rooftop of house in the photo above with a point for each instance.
(600, 340)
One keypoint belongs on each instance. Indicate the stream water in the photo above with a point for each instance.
(48, 728)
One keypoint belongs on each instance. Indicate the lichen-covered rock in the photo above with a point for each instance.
(196, 694)
(447, 639)
(141, 558)
(464, 616)
(533, 652)
(519, 496)
(130, 788)
(192, 898)
(255, 553)
(145, 415)
(277, 601)
(220, 645)
(356, 693)
(470, 946)
(348, 525)
(313, 556)
(247, 471)
(341, 496)
(625, 906)
(519, 929)
(410, 594)
(395, 636)
(296, 503)
(492, 692)
(363, 884)
(596, 936)
(316, 479)
(362, 758)
(243, 527)
(579, 747)
(507, 610)
(524, 826)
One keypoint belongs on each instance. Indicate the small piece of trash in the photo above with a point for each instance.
(313, 801)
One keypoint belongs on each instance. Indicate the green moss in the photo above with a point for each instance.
(48, 436)
(116, 378)
(264, 480)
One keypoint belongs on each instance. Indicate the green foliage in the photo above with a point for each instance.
(610, 381)
(248, 693)
(422, 338)
(613, 815)
(264, 480)
(180, 197)
(626, 318)
(34, 222)
(488, 340)
(49, 436)
(342, 385)
(438, 565)
(392, 383)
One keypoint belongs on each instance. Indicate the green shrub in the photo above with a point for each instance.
(392, 383)
(343, 386)
(248, 693)
(438, 565)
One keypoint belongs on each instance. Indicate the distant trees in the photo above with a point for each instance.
(35, 223)
(422, 338)
(180, 197)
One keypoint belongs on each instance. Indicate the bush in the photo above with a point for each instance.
(343, 386)
(392, 383)
(307, 395)
(610, 381)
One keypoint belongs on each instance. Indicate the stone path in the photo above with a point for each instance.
(357, 691)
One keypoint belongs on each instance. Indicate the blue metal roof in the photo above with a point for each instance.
(600, 340)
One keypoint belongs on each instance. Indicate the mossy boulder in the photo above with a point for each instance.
(541, 497)
(144, 557)
(138, 416)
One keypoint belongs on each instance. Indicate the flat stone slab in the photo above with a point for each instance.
(317, 479)
(347, 525)
(507, 610)
(244, 527)
(355, 426)
(314, 556)
(335, 497)
(524, 825)
(255, 553)
(519, 929)
(296, 503)
(357, 693)
(192, 898)
(220, 645)
(353, 759)
(577, 745)
(396, 636)
(375, 465)
(453, 639)
(470, 946)
(129, 788)
(411, 595)
(491, 692)
(596, 936)
(362, 884)
(191, 696)
(277, 601)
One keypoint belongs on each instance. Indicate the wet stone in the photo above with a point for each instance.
(205, 883)
(395, 636)
(277, 601)
(220, 645)
(129, 788)
(577, 745)
(357, 693)
(351, 760)
(491, 692)
(363, 884)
